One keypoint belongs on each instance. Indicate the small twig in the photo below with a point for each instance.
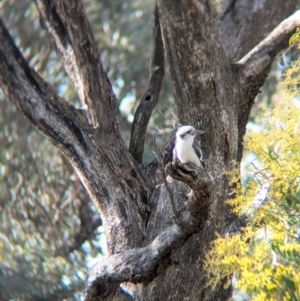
(164, 131)
(260, 172)
(150, 98)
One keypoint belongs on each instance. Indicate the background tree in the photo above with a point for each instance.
(202, 42)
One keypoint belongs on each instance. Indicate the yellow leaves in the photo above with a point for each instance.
(294, 37)
(265, 258)
(223, 258)
(255, 265)
(277, 149)
(279, 137)
(292, 79)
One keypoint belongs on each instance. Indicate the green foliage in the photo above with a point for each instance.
(265, 257)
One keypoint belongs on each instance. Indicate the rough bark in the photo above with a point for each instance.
(150, 98)
(157, 235)
(100, 169)
(244, 24)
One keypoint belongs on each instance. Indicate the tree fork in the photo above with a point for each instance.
(213, 72)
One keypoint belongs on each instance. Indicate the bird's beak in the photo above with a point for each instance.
(198, 132)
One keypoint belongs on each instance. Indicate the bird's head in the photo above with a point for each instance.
(187, 133)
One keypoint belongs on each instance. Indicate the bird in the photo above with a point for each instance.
(185, 148)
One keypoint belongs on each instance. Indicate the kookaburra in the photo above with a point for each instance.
(185, 148)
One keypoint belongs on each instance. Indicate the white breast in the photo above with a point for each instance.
(186, 153)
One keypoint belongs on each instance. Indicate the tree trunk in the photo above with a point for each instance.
(157, 233)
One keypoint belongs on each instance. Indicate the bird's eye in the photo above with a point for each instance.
(189, 131)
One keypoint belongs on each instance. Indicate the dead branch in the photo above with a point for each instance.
(150, 98)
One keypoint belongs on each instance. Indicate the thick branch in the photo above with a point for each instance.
(136, 265)
(141, 264)
(243, 24)
(36, 99)
(261, 57)
(71, 34)
(113, 180)
(150, 98)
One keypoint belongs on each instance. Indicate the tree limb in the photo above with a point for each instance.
(149, 100)
(113, 180)
(71, 34)
(36, 99)
(242, 24)
(136, 265)
(261, 57)
(141, 264)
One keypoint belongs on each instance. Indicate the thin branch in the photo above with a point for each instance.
(150, 98)
(260, 58)
(71, 34)
(89, 221)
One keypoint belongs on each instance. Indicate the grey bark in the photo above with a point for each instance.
(215, 77)
(150, 98)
